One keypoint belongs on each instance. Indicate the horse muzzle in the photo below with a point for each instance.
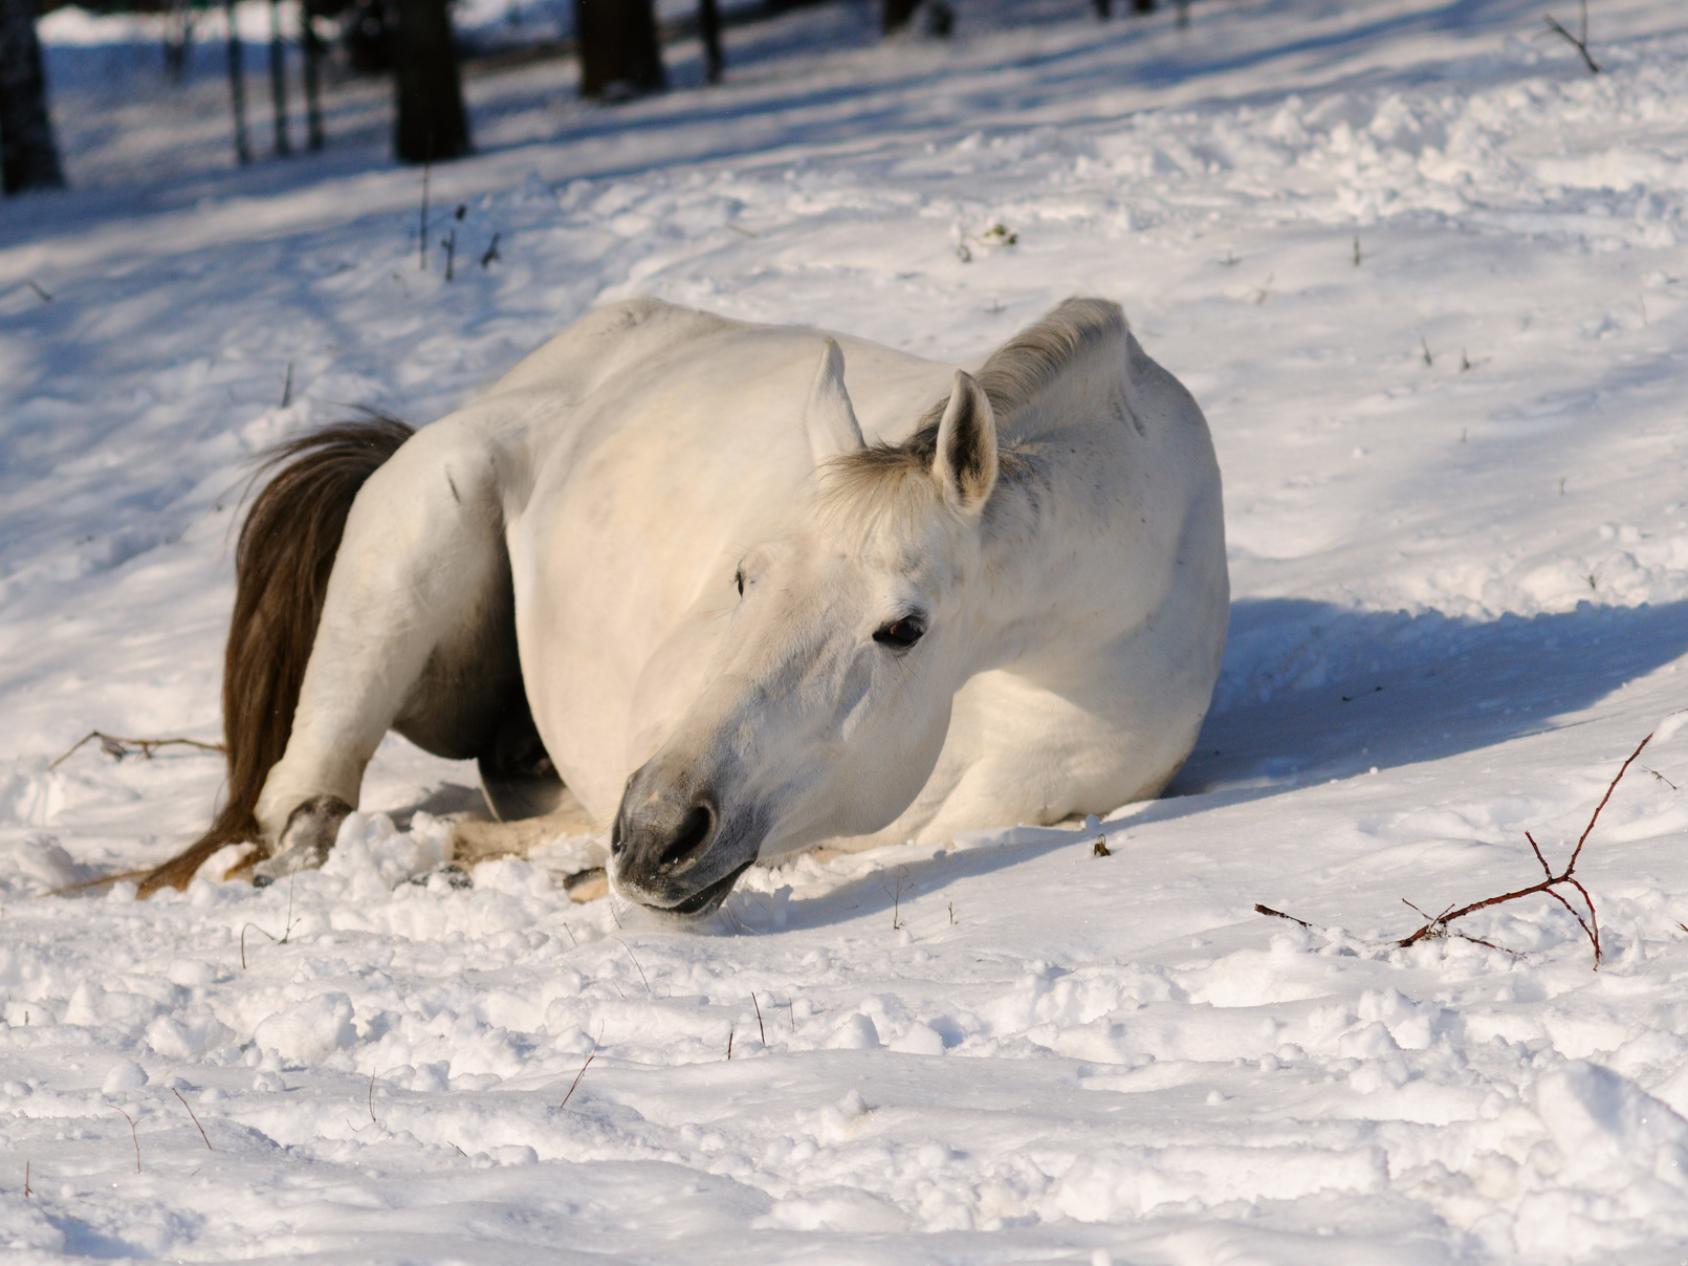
(672, 849)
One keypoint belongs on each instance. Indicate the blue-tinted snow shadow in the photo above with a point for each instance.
(1312, 692)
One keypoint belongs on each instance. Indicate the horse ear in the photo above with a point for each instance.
(829, 419)
(965, 462)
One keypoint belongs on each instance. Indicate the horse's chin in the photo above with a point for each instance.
(705, 901)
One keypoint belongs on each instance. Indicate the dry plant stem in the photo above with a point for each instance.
(195, 1117)
(760, 1031)
(27, 1192)
(134, 1137)
(118, 748)
(1550, 881)
(274, 940)
(371, 1098)
(648, 990)
(590, 1056)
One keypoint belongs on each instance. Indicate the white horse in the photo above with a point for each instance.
(668, 576)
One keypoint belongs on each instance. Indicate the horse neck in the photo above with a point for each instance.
(1052, 530)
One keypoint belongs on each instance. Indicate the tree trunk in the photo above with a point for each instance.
(237, 87)
(1104, 9)
(312, 45)
(28, 157)
(898, 13)
(278, 81)
(709, 28)
(1143, 6)
(619, 53)
(432, 124)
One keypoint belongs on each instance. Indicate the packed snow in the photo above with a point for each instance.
(1428, 278)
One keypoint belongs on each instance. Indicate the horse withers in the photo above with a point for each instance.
(671, 577)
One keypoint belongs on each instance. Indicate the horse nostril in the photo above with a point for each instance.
(690, 837)
(615, 837)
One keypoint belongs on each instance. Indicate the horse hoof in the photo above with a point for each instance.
(587, 885)
(305, 840)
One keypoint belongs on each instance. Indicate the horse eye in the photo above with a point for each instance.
(901, 634)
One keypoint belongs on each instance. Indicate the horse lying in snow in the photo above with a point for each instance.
(669, 576)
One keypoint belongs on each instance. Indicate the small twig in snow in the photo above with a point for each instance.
(729, 1041)
(39, 292)
(1429, 360)
(760, 1031)
(1279, 914)
(287, 386)
(1580, 43)
(1667, 782)
(118, 748)
(195, 1117)
(1550, 881)
(490, 253)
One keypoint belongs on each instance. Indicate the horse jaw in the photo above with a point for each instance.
(829, 419)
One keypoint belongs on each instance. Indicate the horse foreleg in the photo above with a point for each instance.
(419, 585)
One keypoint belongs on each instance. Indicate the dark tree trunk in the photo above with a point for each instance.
(28, 157)
(709, 28)
(278, 81)
(178, 40)
(619, 53)
(898, 13)
(312, 45)
(1104, 9)
(1143, 6)
(237, 87)
(432, 124)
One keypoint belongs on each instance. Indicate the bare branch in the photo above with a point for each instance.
(1611, 787)
(1548, 886)
(118, 748)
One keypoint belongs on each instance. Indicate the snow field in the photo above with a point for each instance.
(1460, 562)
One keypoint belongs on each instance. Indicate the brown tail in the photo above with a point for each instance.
(286, 550)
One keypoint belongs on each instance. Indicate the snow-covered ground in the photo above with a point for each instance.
(1428, 277)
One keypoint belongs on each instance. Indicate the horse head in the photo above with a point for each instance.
(829, 698)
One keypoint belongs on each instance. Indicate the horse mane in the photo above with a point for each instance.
(1014, 377)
